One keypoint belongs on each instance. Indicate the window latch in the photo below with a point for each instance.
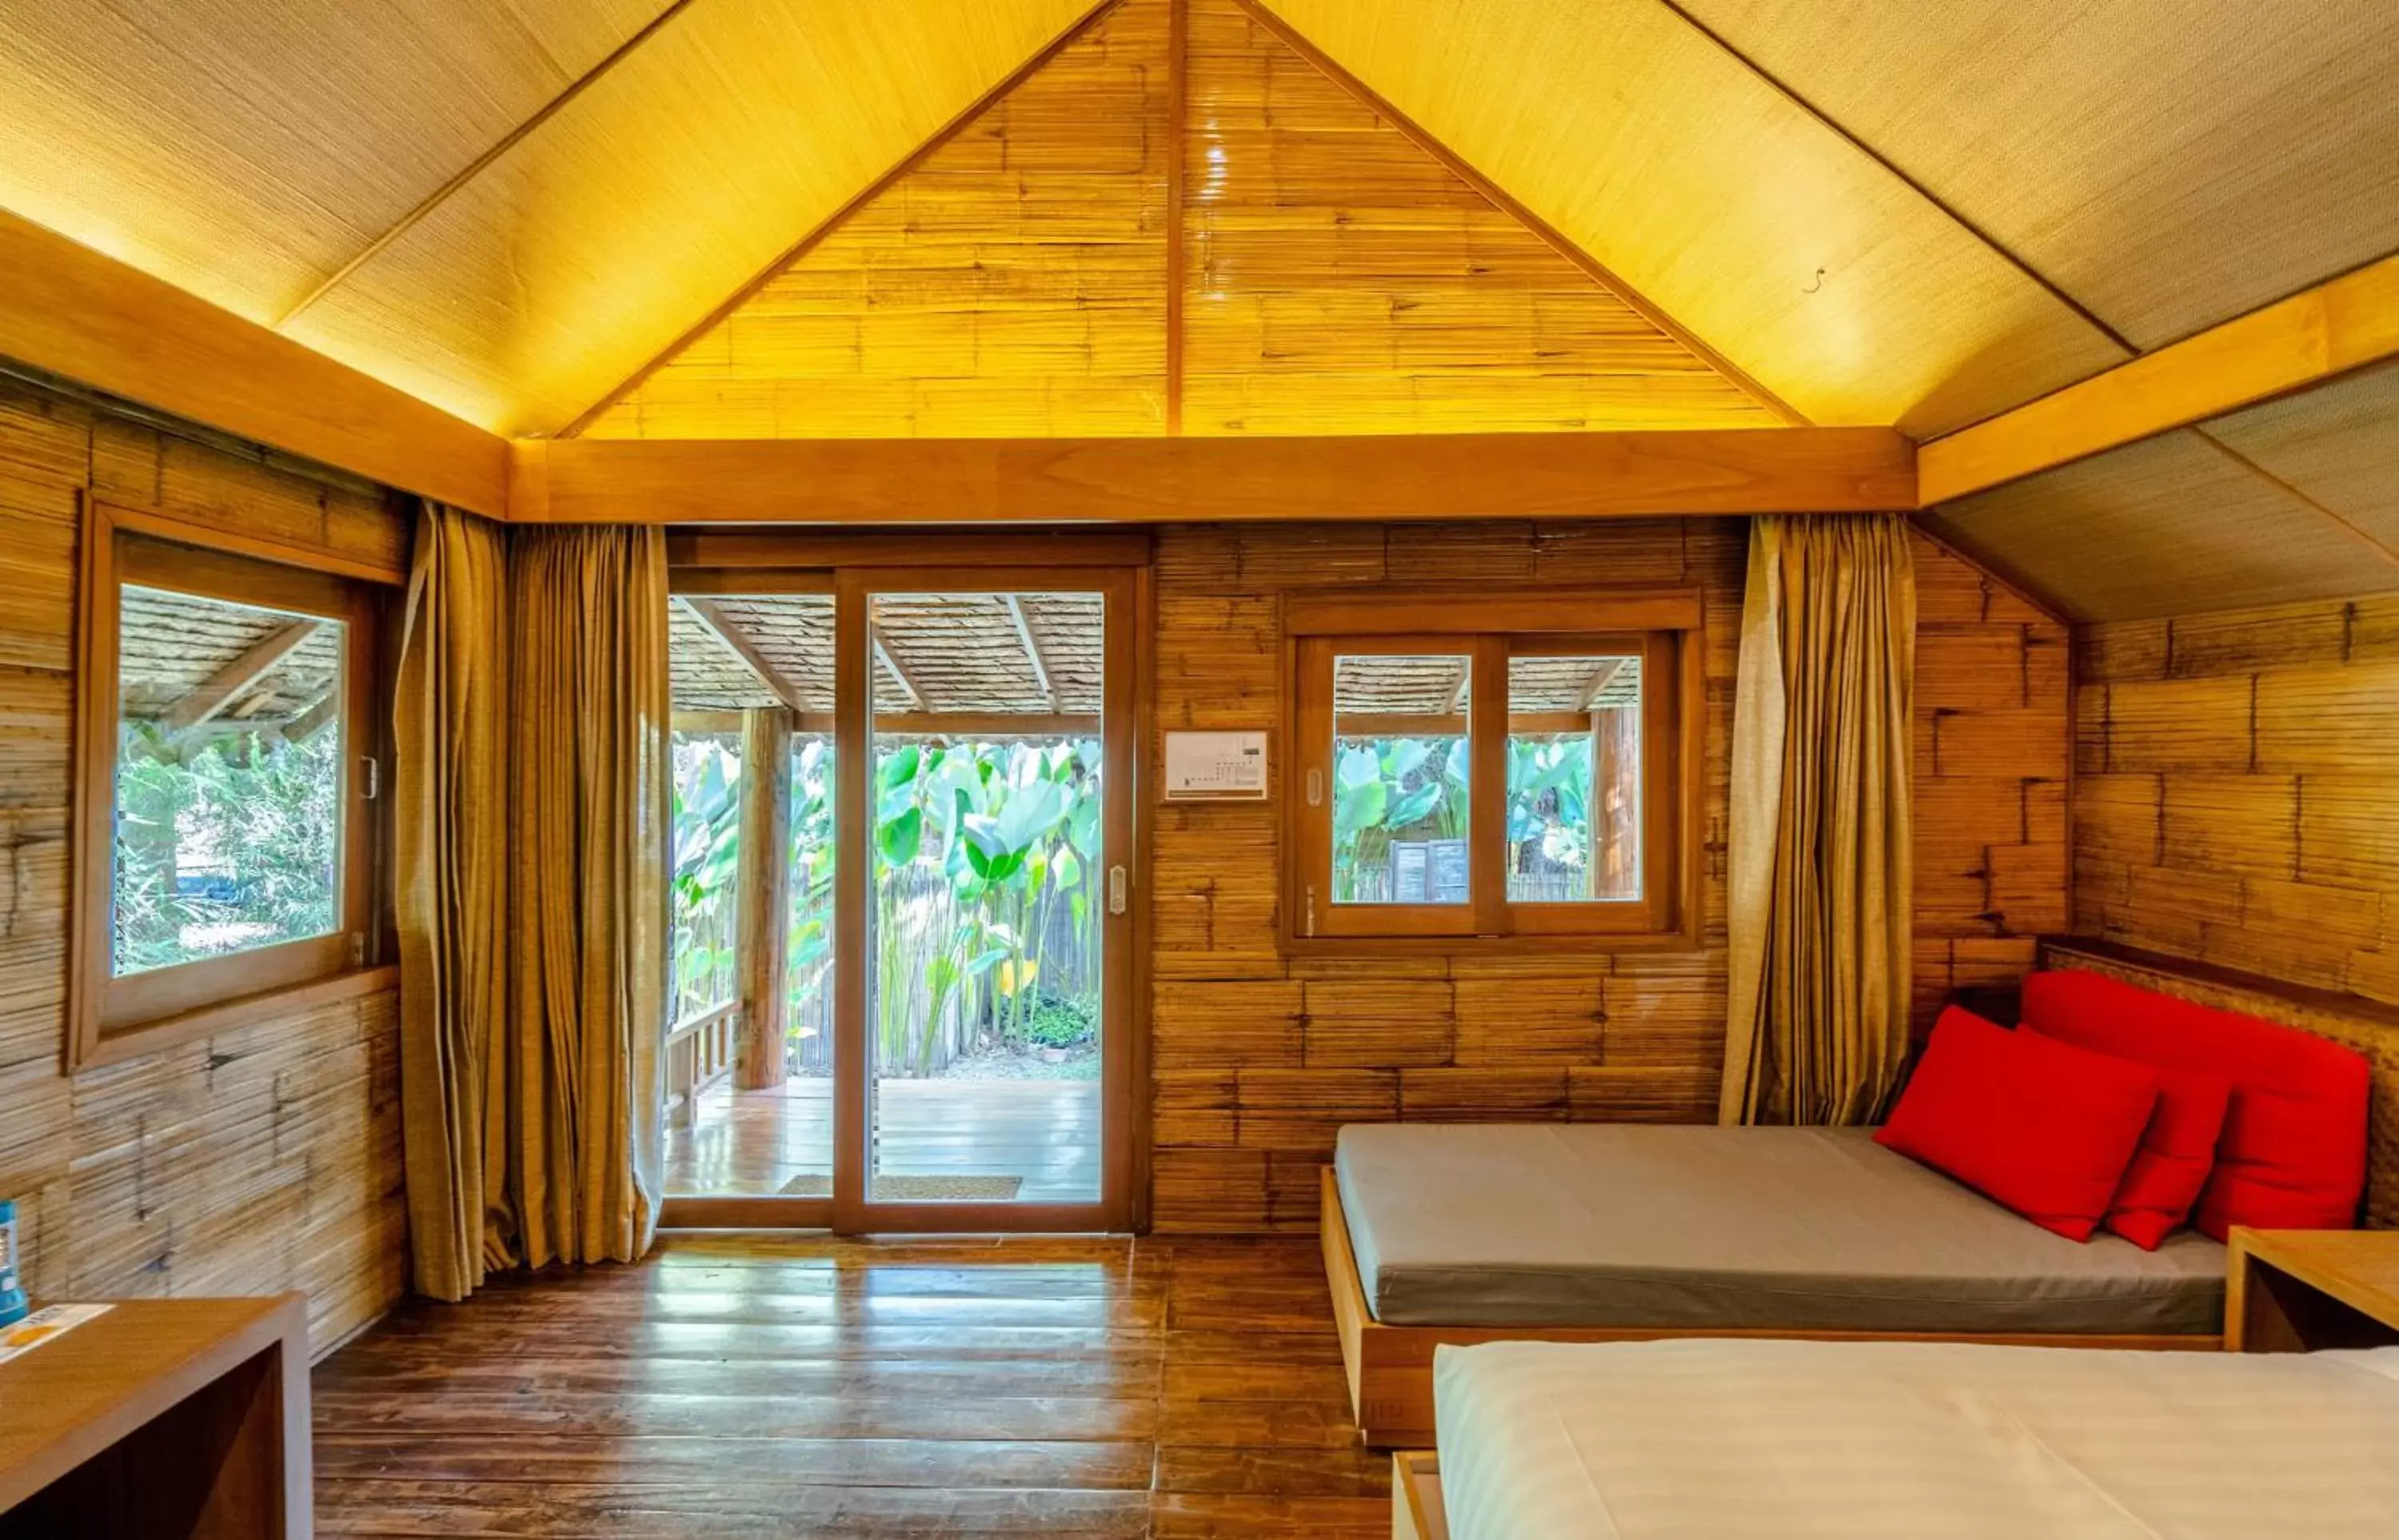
(1315, 786)
(374, 769)
(1116, 890)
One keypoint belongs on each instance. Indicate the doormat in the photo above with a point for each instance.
(918, 1189)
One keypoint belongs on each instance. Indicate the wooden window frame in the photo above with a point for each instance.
(111, 1018)
(1664, 628)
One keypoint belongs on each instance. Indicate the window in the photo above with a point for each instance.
(223, 850)
(1470, 769)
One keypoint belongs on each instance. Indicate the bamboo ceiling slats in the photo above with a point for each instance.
(2253, 151)
(2172, 525)
(960, 652)
(1784, 245)
(2338, 446)
(1341, 278)
(1012, 283)
(245, 153)
(590, 244)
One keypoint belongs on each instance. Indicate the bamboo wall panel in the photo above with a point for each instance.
(1342, 280)
(1258, 1058)
(267, 1156)
(2237, 792)
(1012, 283)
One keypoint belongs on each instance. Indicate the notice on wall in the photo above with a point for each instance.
(1215, 766)
(46, 1324)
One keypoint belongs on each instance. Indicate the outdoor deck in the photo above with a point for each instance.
(745, 1143)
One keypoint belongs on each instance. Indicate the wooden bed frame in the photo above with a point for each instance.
(1390, 1366)
(1417, 1513)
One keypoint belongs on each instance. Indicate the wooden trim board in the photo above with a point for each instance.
(1172, 480)
(1416, 1510)
(1389, 1368)
(71, 311)
(2289, 345)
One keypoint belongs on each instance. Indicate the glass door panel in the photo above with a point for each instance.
(987, 952)
(748, 1059)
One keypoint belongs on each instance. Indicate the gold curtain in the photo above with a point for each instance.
(450, 712)
(587, 915)
(1821, 822)
(532, 807)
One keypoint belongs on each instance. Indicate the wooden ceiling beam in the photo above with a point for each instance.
(909, 691)
(1235, 477)
(69, 311)
(1600, 679)
(2286, 347)
(739, 644)
(1025, 637)
(253, 662)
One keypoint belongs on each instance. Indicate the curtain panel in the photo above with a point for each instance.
(1822, 835)
(532, 805)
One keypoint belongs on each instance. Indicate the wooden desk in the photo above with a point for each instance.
(2296, 1291)
(165, 1419)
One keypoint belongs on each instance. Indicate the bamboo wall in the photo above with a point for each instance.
(1330, 275)
(266, 1157)
(2237, 791)
(1258, 1059)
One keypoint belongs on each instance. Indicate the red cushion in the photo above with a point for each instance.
(2293, 1152)
(2040, 1126)
(2177, 1156)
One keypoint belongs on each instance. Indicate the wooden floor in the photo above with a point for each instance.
(742, 1385)
(749, 1142)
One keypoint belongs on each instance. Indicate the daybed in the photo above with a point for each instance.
(1610, 1232)
(1804, 1438)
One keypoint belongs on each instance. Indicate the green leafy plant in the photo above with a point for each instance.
(223, 846)
(1387, 789)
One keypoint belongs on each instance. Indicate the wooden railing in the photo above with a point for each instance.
(699, 1052)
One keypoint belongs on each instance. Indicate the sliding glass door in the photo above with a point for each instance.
(904, 853)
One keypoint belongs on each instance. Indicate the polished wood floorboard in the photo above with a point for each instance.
(769, 1386)
(750, 1143)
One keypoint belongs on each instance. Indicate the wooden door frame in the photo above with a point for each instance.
(949, 561)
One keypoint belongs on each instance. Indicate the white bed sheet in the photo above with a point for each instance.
(1707, 1438)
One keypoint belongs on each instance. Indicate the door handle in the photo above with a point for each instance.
(1116, 890)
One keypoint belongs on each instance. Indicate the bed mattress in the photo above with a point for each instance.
(1681, 1228)
(1692, 1437)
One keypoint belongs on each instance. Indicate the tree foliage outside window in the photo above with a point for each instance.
(225, 847)
(1387, 790)
(985, 921)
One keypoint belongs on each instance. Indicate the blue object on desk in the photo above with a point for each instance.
(12, 1294)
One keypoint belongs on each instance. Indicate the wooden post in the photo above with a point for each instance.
(761, 940)
(1615, 802)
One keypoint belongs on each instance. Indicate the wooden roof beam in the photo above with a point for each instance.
(69, 311)
(910, 694)
(739, 644)
(1042, 680)
(1165, 479)
(220, 690)
(2290, 346)
(1601, 678)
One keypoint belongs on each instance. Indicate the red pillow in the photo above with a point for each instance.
(2293, 1152)
(2176, 1154)
(2041, 1127)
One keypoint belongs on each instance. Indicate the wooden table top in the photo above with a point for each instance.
(75, 1395)
(2358, 1267)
